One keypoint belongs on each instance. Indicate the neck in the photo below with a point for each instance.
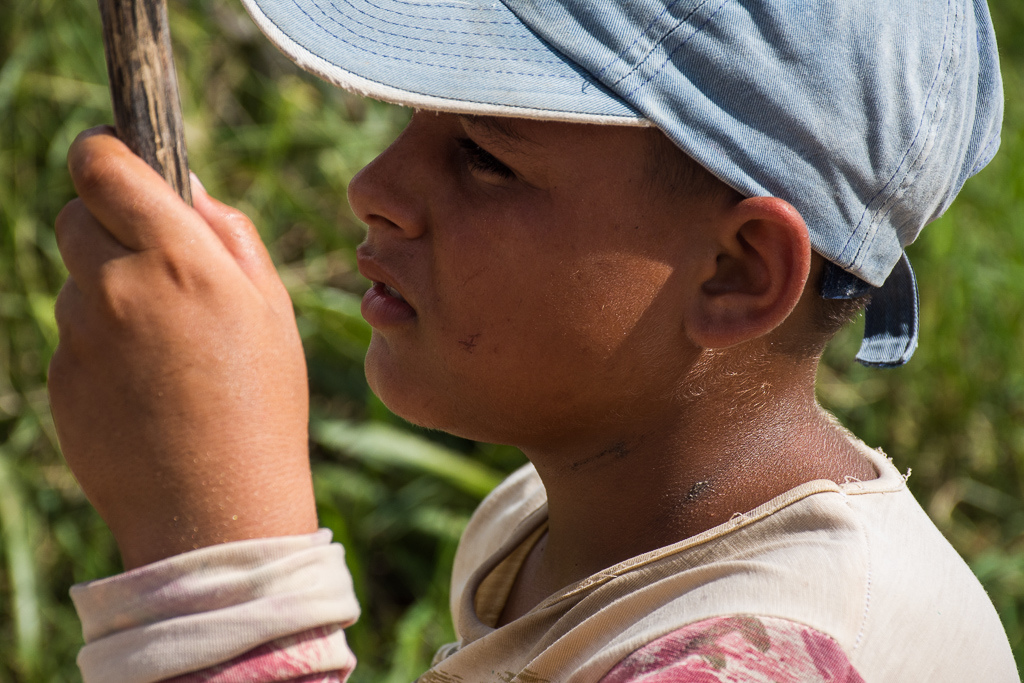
(644, 483)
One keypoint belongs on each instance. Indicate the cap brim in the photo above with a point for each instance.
(462, 57)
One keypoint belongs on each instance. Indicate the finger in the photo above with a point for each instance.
(84, 244)
(240, 237)
(128, 197)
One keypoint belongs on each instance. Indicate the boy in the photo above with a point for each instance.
(617, 237)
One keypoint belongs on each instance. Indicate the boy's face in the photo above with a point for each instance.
(544, 272)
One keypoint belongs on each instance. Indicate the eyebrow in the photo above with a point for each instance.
(497, 126)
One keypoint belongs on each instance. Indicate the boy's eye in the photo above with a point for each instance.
(482, 161)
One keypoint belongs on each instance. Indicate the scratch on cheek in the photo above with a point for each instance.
(475, 274)
(469, 343)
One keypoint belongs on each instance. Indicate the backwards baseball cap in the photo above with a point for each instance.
(867, 117)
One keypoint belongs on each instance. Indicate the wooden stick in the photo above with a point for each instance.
(144, 86)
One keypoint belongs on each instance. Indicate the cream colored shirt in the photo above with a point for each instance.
(860, 562)
(860, 565)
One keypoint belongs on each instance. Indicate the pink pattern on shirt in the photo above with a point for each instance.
(745, 649)
(297, 658)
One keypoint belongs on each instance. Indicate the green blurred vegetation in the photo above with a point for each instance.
(283, 146)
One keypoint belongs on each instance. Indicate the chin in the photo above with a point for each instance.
(405, 392)
(427, 396)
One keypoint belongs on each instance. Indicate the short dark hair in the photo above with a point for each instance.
(672, 170)
(829, 316)
(835, 314)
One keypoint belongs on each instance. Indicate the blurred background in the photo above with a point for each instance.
(282, 146)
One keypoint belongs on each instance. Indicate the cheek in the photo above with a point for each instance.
(522, 335)
(560, 331)
(532, 286)
(610, 302)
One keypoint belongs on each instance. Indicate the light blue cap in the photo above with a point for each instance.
(867, 117)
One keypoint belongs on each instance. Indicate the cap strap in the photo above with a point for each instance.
(891, 317)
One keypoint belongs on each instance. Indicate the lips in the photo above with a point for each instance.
(383, 305)
(383, 310)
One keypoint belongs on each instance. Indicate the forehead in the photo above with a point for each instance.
(497, 127)
(539, 133)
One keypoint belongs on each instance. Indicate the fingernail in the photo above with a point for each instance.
(196, 183)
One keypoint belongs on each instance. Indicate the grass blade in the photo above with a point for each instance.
(383, 444)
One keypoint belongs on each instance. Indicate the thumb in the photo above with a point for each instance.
(242, 240)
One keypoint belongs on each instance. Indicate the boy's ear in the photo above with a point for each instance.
(762, 260)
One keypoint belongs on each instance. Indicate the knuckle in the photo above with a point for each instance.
(182, 270)
(242, 223)
(119, 297)
(134, 297)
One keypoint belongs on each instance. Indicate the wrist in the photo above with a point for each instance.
(181, 516)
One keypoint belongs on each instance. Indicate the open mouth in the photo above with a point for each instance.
(390, 291)
(384, 306)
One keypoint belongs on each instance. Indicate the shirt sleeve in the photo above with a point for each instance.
(738, 648)
(257, 611)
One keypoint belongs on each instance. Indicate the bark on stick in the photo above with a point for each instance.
(144, 87)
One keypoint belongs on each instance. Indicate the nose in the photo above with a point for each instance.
(390, 192)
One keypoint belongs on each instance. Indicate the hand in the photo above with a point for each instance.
(179, 385)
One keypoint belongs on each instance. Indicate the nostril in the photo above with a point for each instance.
(384, 196)
(387, 202)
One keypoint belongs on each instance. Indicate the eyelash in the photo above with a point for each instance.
(481, 160)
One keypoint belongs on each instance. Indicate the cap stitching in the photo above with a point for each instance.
(661, 41)
(697, 31)
(442, 30)
(871, 227)
(657, 42)
(923, 155)
(335, 6)
(412, 61)
(405, 96)
(637, 39)
(459, 6)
